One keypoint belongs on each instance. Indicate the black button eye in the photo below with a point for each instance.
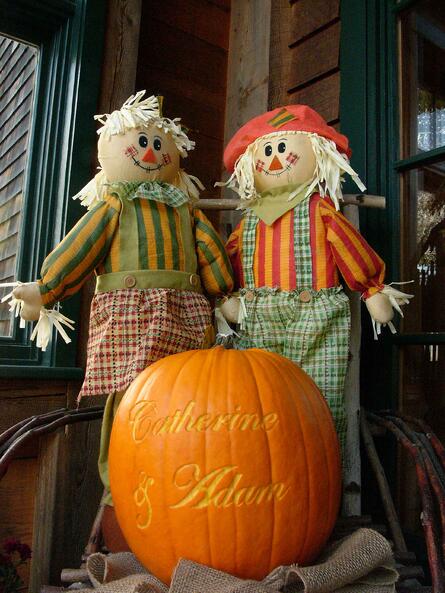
(157, 144)
(143, 141)
(268, 150)
(281, 146)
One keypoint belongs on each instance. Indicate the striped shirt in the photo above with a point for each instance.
(336, 246)
(100, 243)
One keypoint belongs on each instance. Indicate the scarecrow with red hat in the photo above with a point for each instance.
(292, 245)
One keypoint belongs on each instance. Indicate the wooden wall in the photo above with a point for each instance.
(183, 53)
(305, 50)
(50, 494)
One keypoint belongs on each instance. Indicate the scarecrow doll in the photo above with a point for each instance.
(292, 244)
(152, 253)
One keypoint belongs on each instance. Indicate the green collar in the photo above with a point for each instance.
(158, 191)
(272, 204)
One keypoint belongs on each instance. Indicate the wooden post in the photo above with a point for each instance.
(247, 72)
(45, 502)
(361, 200)
(281, 28)
(351, 461)
(121, 53)
(248, 68)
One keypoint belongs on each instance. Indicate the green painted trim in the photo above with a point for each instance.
(424, 338)
(368, 116)
(423, 158)
(353, 95)
(69, 34)
(30, 23)
(403, 5)
(41, 372)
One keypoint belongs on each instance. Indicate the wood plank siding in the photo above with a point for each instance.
(305, 50)
(17, 66)
(183, 54)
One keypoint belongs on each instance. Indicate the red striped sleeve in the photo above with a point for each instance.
(234, 250)
(360, 266)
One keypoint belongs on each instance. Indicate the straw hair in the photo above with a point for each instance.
(327, 178)
(138, 112)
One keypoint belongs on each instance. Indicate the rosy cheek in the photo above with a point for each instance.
(130, 151)
(166, 159)
(292, 158)
(259, 165)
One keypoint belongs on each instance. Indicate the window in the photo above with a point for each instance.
(393, 110)
(421, 168)
(18, 64)
(64, 38)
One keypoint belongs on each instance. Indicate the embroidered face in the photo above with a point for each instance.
(283, 159)
(141, 154)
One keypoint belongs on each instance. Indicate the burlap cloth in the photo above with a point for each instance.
(359, 563)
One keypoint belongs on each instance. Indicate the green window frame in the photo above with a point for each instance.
(370, 118)
(69, 35)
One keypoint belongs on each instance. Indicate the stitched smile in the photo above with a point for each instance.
(279, 173)
(138, 164)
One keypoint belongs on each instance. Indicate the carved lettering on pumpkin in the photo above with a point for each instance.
(214, 489)
(144, 420)
(142, 500)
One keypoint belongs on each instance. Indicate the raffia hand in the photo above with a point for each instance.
(230, 309)
(32, 301)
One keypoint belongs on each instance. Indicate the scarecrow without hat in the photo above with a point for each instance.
(292, 243)
(153, 255)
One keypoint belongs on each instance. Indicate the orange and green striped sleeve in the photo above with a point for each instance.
(213, 262)
(360, 266)
(234, 248)
(67, 267)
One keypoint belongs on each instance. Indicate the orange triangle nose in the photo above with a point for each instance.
(149, 157)
(275, 164)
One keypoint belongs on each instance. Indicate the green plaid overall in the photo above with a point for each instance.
(314, 334)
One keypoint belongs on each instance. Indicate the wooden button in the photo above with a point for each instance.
(249, 296)
(305, 296)
(194, 280)
(129, 281)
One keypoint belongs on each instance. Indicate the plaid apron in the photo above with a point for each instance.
(131, 329)
(309, 327)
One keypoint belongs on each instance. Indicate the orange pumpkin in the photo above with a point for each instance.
(226, 457)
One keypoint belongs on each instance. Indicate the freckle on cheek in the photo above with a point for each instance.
(166, 159)
(130, 151)
(292, 158)
(259, 166)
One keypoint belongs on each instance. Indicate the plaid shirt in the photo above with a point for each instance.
(96, 241)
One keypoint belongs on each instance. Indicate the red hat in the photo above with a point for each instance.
(292, 118)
